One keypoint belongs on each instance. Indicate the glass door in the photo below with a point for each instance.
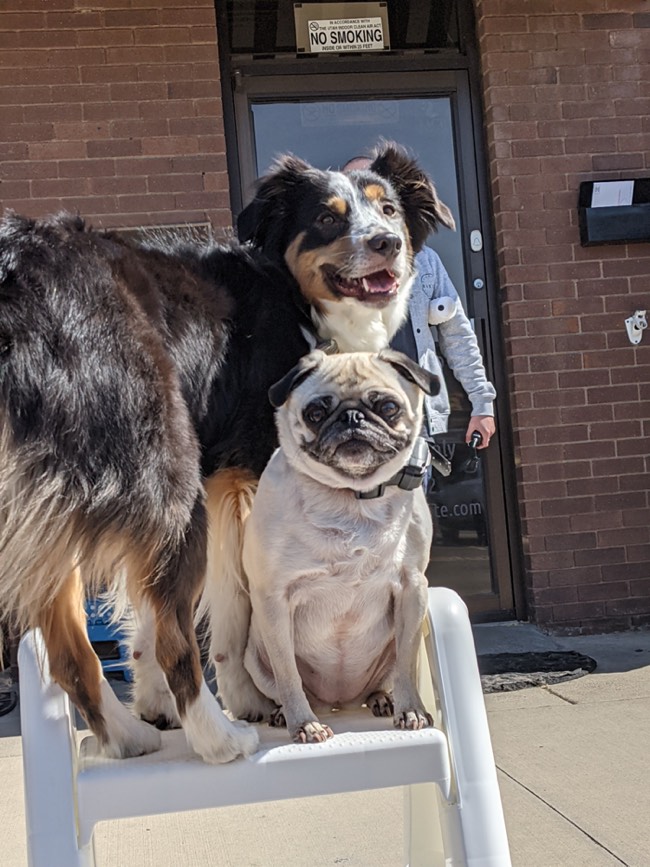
(327, 120)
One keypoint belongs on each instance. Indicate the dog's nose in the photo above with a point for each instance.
(387, 243)
(352, 417)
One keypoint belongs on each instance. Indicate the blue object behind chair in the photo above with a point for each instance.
(102, 631)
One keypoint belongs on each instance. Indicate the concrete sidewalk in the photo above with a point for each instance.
(574, 771)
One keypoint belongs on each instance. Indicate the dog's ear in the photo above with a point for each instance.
(406, 367)
(262, 221)
(422, 208)
(280, 391)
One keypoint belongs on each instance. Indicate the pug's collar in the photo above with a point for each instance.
(409, 478)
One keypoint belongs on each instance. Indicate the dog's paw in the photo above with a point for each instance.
(156, 707)
(277, 719)
(253, 708)
(413, 719)
(212, 735)
(312, 732)
(239, 695)
(137, 739)
(242, 740)
(124, 736)
(380, 703)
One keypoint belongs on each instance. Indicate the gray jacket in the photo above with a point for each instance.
(434, 303)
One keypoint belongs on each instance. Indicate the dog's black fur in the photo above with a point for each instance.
(131, 371)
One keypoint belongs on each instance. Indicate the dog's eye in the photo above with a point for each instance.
(326, 219)
(314, 413)
(388, 409)
(389, 210)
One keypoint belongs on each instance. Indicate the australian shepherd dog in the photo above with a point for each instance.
(134, 417)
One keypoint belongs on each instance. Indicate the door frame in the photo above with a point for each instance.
(286, 78)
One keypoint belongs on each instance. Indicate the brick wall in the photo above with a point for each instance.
(113, 109)
(567, 98)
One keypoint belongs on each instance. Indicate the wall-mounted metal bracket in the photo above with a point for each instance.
(635, 326)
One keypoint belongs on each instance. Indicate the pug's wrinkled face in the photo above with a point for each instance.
(350, 420)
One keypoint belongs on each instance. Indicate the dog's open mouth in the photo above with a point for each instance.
(375, 288)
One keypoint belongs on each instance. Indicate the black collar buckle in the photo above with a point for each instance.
(409, 478)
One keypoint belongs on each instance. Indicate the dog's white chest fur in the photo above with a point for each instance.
(360, 328)
(337, 562)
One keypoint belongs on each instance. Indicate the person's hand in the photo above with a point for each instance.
(484, 424)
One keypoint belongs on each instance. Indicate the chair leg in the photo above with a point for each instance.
(472, 821)
(423, 843)
(49, 758)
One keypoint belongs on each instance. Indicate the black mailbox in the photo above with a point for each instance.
(624, 223)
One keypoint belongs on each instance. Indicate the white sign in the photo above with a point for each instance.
(346, 34)
(608, 194)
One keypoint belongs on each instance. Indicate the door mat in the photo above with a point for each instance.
(503, 672)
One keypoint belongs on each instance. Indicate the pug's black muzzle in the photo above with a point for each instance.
(355, 442)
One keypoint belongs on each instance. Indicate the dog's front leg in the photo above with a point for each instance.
(274, 621)
(410, 608)
(225, 597)
(152, 700)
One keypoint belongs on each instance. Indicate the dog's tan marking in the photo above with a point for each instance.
(375, 192)
(305, 267)
(229, 497)
(337, 204)
(73, 663)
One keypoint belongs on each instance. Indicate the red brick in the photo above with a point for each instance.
(629, 571)
(556, 595)
(604, 590)
(11, 191)
(175, 183)
(577, 487)
(578, 611)
(628, 606)
(56, 150)
(188, 16)
(86, 168)
(606, 21)
(625, 448)
(17, 21)
(638, 553)
(596, 449)
(135, 54)
(105, 37)
(623, 465)
(59, 187)
(169, 145)
(82, 18)
(109, 73)
(112, 186)
(555, 397)
(131, 18)
(114, 148)
(145, 166)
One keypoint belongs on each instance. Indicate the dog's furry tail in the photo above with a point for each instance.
(46, 532)
(230, 496)
(40, 533)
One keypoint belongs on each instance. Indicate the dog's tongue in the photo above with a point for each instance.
(375, 285)
(378, 283)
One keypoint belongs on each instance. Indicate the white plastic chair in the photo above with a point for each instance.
(453, 810)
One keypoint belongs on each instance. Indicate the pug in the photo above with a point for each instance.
(337, 542)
